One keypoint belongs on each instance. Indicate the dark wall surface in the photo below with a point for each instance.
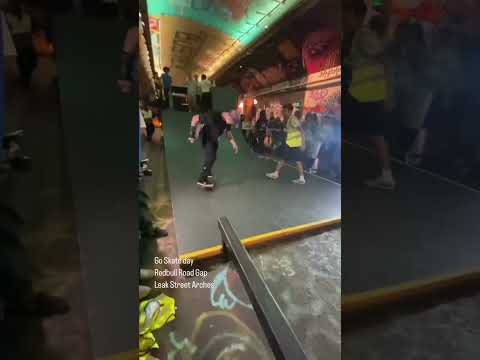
(100, 128)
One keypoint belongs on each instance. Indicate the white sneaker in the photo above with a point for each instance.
(299, 181)
(146, 274)
(273, 176)
(381, 183)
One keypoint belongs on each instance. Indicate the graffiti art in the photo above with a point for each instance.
(222, 295)
(321, 50)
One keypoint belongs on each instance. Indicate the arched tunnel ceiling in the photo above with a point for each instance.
(201, 36)
(242, 20)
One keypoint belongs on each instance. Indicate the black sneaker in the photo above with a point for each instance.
(147, 172)
(159, 233)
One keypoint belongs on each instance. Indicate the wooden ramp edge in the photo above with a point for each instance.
(262, 239)
(370, 300)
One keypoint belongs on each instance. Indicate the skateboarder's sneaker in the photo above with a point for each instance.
(205, 184)
(273, 176)
(299, 181)
(381, 182)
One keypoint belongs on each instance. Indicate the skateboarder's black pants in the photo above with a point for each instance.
(210, 156)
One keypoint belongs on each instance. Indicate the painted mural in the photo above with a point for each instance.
(320, 50)
(316, 51)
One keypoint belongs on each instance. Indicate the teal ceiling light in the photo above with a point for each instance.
(242, 20)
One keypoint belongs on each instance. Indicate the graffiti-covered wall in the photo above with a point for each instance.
(311, 53)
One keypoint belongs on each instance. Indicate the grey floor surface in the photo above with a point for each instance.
(425, 228)
(253, 203)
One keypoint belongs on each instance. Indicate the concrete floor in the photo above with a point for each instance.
(427, 227)
(444, 331)
(253, 203)
(43, 198)
(303, 275)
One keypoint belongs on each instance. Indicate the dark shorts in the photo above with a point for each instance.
(366, 118)
(290, 154)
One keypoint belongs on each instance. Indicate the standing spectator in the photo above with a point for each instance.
(313, 141)
(148, 117)
(166, 81)
(206, 93)
(192, 92)
(330, 150)
(276, 130)
(158, 86)
(20, 24)
(445, 73)
(292, 149)
(370, 87)
(260, 133)
(412, 89)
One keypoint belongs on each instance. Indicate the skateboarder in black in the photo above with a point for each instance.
(209, 127)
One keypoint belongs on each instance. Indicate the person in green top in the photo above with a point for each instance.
(292, 149)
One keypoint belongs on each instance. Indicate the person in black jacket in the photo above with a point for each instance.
(209, 127)
(260, 133)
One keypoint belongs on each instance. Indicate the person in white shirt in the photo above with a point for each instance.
(20, 25)
(206, 93)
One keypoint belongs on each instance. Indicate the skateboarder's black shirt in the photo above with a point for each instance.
(214, 125)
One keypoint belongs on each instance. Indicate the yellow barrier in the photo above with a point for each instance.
(373, 299)
(262, 239)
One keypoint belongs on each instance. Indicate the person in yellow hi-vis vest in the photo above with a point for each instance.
(370, 87)
(292, 149)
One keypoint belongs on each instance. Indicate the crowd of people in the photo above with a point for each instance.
(413, 89)
(199, 91)
(311, 141)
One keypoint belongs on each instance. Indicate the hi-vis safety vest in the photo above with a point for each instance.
(294, 136)
(368, 83)
(154, 314)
